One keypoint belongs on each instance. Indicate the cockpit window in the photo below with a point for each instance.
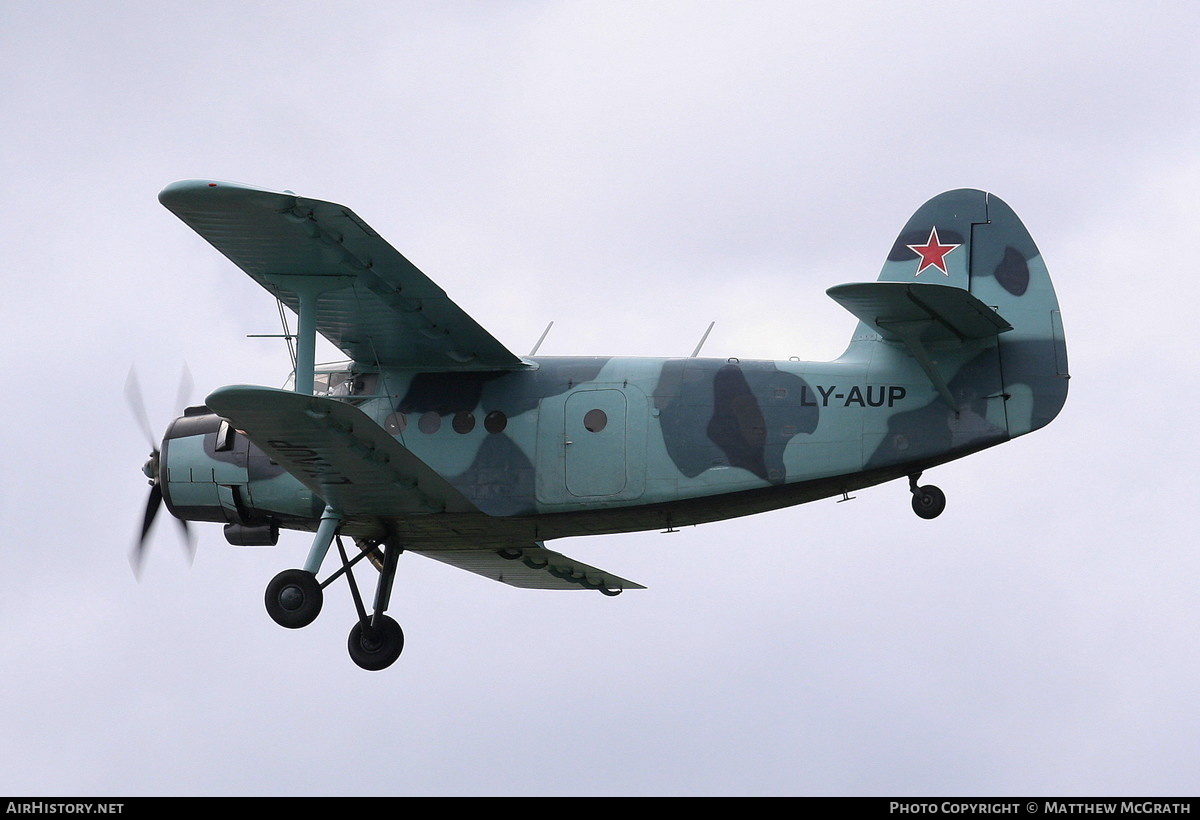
(344, 384)
(340, 380)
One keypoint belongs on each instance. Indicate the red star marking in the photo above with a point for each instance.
(932, 253)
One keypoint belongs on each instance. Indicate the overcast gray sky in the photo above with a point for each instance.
(631, 171)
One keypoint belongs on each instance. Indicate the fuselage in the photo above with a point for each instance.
(582, 445)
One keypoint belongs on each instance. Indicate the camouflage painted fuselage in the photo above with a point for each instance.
(681, 441)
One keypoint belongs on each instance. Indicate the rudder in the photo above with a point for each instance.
(1008, 272)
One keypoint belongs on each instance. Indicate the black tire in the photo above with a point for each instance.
(928, 501)
(294, 598)
(377, 647)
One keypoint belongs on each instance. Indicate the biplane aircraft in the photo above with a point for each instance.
(434, 438)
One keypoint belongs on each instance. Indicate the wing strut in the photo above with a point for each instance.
(308, 290)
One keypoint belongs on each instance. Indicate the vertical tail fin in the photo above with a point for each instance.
(965, 292)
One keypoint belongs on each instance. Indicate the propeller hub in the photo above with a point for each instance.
(150, 468)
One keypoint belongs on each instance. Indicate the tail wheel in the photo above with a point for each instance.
(928, 501)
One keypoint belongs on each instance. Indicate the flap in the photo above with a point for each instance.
(338, 452)
(532, 567)
(378, 308)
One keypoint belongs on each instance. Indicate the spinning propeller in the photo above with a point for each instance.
(133, 394)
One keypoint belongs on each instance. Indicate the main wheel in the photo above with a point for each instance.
(376, 647)
(928, 501)
(294, 598)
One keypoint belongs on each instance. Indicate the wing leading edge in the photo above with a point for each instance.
(375, 305)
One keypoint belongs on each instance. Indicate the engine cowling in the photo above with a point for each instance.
(208, 471)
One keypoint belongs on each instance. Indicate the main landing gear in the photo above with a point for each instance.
(294, 598)
(927, 501)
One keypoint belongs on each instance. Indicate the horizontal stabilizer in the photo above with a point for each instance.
(941, 313)
(919, 314)
(532, 567)
(338, 452)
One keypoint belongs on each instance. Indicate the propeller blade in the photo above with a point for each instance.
(152, 505)
(139, 549)
(133, 395)
(189, 543)
(183, 396)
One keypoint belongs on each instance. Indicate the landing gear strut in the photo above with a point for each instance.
(294, 598)
(928, 501)
(376, 641)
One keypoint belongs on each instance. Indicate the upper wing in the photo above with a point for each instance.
(384, 311)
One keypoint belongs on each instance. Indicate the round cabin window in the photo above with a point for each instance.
(464, 422)
(430, 422)
(495, 421)
(595, 421)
